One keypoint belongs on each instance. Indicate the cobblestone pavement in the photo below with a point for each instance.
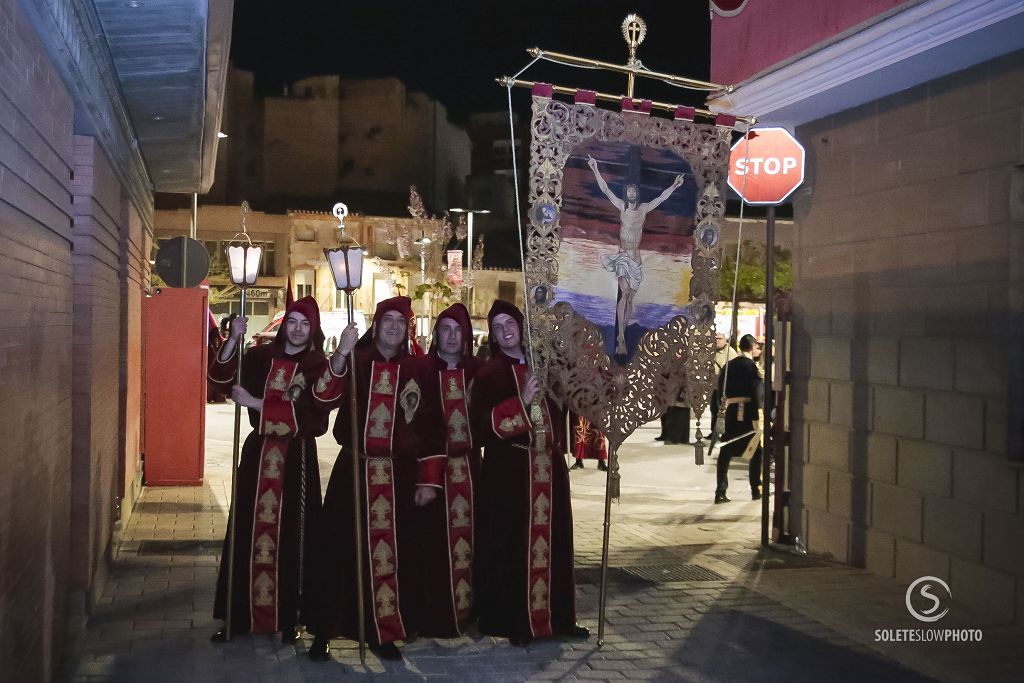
(691, 598)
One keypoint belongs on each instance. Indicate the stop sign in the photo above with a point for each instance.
(766, 165)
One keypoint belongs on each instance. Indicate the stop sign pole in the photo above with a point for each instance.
(765, 167)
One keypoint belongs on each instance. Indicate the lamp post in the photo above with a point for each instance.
(469, 248)
(244, 260)
(346, 262)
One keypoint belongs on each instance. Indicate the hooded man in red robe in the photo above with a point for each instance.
(446, 496)
(277, 492)
(388, 400)
(524, 554)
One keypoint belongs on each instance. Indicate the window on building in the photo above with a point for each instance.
(305, 283)
(267, 266)
(216, 251)
(501, 152)
(507, 290)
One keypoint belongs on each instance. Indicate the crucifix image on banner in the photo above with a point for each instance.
(627, 239)
(622, 257)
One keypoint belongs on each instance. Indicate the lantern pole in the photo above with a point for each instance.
(340, 212)
(235, 442)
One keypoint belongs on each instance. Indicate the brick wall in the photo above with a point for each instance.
(99, 210)
(35, 350)
(907, 345)
(136, 246)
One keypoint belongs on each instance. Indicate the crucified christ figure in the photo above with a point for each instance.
(626, 264)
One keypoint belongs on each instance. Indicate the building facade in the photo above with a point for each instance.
(365, 139)
(88, 127)
(907, 419)
(294, 244)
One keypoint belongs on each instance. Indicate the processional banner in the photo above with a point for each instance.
(622, 257)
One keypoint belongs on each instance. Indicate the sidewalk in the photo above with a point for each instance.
(690, 597)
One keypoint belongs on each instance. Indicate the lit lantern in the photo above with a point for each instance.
(346, 260)
(245, 263)
(244, 257)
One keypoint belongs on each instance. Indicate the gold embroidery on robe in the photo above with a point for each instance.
(381, 508)
(463, 591)
(268, 501)
(265, 550)
(296, 388)
(453, 390)
(384, 384)
(264, 585)
(540, 553)
(510, 424)
(456, 427)
(460, 506)
(379, 418)
(382, 555)
(540, 595)
(321, 384)
(410, 400)
(462, 554)
(385, 601)
(380, 472)
(278, 383)
(273, 459)
(276, 429)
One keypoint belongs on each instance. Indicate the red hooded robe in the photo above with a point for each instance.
(389, 415)
(278, 469)
(524, 554)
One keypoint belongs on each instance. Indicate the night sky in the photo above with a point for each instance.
(453, 49)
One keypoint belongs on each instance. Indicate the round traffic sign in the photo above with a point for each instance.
(182, 262)
(766, 165)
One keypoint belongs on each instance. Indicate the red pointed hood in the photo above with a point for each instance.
(402, 304)
(459, 314)
(497, 308)
(308, 307)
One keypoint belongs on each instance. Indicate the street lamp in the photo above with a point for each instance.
(469, 247)
(244, 260)
(346, 262)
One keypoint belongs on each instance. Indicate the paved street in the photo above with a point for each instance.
(690, 598)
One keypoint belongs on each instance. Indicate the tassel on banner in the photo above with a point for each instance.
(725, 120)
(698, 449)
(636, 106)
(543, 90)
(585, 97)
(685, 113)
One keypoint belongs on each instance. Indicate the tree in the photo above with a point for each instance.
(750, 284)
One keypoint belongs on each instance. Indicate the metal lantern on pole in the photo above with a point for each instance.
(244, 260)
(346, 262)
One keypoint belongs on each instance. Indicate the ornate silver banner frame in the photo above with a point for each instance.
(569, 355)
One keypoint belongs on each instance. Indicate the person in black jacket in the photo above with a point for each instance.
(742, 416)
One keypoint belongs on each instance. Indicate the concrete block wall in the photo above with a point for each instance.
(99, 214)
(908, 335)
(36, 158)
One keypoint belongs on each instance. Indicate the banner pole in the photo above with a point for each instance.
(357, 503)
(232, 511)
(613, 466)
